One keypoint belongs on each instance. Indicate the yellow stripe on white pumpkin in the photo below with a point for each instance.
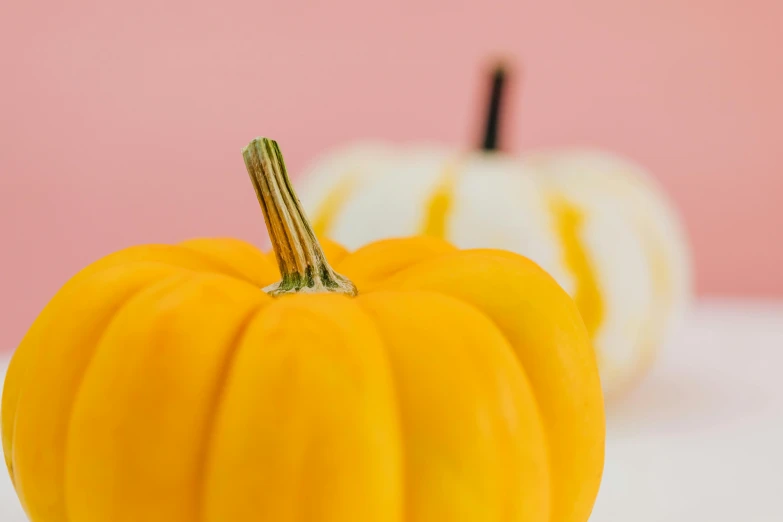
(569, 221)
(327, 212)
(439, 206)
(654, 330)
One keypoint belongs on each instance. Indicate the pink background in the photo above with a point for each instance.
(122, 122)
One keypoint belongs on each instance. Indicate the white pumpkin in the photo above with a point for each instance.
(597, 223)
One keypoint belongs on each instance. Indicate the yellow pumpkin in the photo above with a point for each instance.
(598, 223)
(161, 384)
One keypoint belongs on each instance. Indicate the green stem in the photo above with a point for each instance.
(302, 263)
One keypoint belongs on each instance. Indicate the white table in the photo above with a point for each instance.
(700, 440)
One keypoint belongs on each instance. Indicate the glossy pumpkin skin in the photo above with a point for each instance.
(161, 384)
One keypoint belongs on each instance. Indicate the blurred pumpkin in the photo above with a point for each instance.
(597, 223)
(162, 384)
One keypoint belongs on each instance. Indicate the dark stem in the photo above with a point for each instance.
(303, 266)
(492, 125)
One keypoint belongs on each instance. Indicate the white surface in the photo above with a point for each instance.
(701, 439)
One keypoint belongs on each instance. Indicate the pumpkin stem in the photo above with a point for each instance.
(492, 124)
(302, 263)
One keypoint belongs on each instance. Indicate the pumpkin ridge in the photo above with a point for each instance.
(393, 255)
(402, 447)
(72, 292)
(214, 409)
(149, 253)
(316, 352)
(9, 450)
(519, 366)
(578, 461)
(166, 284)
(508, 500)
(226, 268)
